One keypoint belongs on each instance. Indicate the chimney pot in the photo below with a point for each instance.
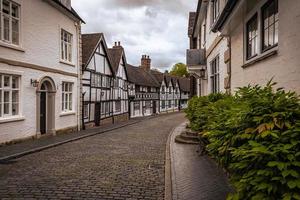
(119, 43)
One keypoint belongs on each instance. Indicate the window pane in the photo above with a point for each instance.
(6, 81)
(15, 31)
(6, 7)
(276, 33)
(15, 82)
(15, 109)
(15, 10)
(15, 96)
(0, 81)
(6, 102)
(271, 35)
(70, 102)
(6, 28)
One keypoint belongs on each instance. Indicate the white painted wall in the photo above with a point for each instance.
(40, 45)
(27, 126)
(284, 67)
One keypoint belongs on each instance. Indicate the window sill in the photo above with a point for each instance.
(12, 119)
(67, 63)
(259, 58)
(67, 113)
(11, 46)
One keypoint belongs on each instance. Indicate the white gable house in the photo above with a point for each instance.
(39, 68)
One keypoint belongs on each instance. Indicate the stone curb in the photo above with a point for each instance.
(35, 150)
(173, 175)
(168, 171)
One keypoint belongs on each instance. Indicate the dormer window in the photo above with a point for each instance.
(66, 46)
(9, 22)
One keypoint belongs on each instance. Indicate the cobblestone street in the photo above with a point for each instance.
(127, 163)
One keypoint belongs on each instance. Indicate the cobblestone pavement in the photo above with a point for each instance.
(195, 177)
(127, 163)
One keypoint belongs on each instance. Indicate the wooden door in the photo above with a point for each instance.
(97, 114)
(43, 112)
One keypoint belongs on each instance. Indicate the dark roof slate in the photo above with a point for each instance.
(192, 19)
(184, 84)
(115, 55)
(141, 77)
(89, 44)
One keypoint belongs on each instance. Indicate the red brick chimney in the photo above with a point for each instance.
(146, 62)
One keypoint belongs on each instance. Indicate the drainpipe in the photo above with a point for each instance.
(77, 25)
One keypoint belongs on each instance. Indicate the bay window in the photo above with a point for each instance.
(9, 22)
(67, 97)
(9, 95)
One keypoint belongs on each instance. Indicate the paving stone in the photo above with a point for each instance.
(112, 165)
(195, 177)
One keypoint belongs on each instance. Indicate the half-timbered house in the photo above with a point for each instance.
(120, 84)
(97, 80)
(144, 97)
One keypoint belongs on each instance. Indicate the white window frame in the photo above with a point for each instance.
(63, 49)
(67, 97)
(260, 52)
(10, 91)
(11, 18)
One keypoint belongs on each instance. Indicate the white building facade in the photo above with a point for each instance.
(205, 58)
(39, 69)
(264, 42)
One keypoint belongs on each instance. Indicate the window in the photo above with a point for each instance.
(170, 103)
(9, 95)
(176, 104)
(215, 76)
(66, 46)
(136, 105)
(163, 104)
(215, 10)
(9, 22)
(252, 35)
(118, 106)
(269, 24)
(67, 97)
(170, 90)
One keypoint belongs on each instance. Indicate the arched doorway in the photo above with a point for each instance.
(46, 106)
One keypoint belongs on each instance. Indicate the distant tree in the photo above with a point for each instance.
(179, 69)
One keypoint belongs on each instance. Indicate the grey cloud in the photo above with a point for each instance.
(154, 27)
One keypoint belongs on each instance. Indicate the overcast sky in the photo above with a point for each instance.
(154, 27)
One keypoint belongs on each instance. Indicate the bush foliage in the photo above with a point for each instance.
(255, 136)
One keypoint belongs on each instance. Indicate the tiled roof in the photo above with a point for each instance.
(192, 19)
(158, 76)
(115, 55)
(89, 44)
(184, 84)
(139, 76)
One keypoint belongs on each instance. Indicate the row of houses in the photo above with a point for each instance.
(54, 80)
(234, 43)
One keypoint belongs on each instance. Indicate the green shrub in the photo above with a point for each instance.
(255, 135)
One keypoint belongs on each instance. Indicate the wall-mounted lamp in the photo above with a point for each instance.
(202, 73)
(34, 83)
